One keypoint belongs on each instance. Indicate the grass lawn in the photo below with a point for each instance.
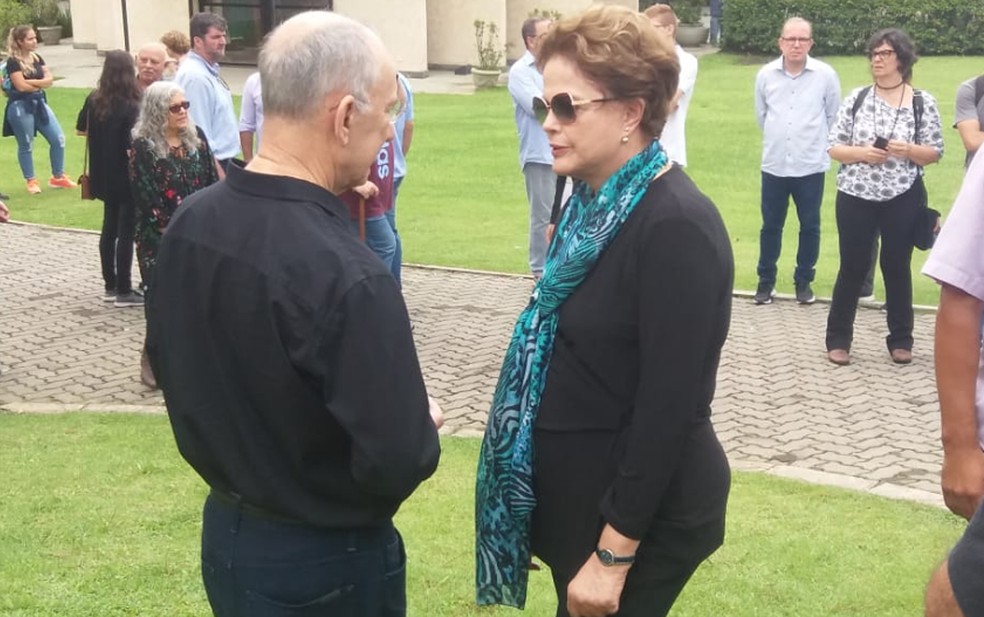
(100, 516)
(463, 202)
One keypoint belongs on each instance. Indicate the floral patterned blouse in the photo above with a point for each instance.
(890, 179)
(159, 186)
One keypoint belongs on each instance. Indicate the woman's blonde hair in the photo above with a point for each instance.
(177, 42)
(619, 51)
(15, 50)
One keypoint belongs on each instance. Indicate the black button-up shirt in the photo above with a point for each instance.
(283, 348)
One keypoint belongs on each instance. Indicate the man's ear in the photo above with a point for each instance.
(343, 112)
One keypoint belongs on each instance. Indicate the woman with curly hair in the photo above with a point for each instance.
(170, 160)
(27, 112)
(106, 119)
(599, 454)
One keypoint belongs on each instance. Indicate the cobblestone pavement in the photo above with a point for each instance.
(780, 406)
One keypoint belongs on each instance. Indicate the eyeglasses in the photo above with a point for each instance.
(792, 40)
(883, 54)
(177, 107)
(563, 106)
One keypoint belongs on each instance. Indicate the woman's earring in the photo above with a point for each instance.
(625, 138)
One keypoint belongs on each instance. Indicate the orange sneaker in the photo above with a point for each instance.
(33, 187)
(61, 182)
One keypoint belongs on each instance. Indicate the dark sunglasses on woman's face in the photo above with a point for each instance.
(562, 105)
(177, 107)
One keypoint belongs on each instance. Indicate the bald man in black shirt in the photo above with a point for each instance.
(283, 347)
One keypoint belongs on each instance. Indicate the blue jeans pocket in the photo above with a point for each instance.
(395, 579)
(335, 603)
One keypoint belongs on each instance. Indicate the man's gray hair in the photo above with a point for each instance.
(312, 55)
(152, 121)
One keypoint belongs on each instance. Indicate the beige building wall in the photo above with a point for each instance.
(98, 24)
(84, 23)
(517, 11)
(402, 26)
(451, 33)
(149, 20)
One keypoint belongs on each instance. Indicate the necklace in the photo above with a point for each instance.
(889, 88)
(877, 117)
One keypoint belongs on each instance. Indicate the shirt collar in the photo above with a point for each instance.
(528, 59)
(809, 66)
(213, 68)
(283, 188)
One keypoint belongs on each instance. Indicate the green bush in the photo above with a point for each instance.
(12, 13)
(44, 12)
(937, 27)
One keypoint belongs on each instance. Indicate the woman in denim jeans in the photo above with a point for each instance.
(27, 110)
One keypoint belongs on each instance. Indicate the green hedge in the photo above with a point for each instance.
(937, 27)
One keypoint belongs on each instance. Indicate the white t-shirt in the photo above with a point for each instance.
(673, 138)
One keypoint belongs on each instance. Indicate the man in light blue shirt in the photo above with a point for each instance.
(535, 157)
(209, 95)
(796, 102)
(402, 138)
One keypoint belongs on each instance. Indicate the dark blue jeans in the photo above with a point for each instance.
(254, 567)
(807, 193)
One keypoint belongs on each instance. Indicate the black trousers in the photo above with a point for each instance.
(116, 245)
(859, 221)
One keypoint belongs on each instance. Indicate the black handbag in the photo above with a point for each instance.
(927, 224)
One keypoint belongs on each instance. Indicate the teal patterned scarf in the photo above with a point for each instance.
(504, 498)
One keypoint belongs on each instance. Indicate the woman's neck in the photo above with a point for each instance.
(172, 137)
(888, 84)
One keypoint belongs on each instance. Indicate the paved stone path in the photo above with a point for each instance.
(780, 406)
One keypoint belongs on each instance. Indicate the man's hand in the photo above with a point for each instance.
(596, 590)
(4, 213)
(367, 190)
(963, 481)
(551, 228)
(437, 415)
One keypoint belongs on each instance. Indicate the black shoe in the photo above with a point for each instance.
(764, 294)
(128, 299)
(804, 294)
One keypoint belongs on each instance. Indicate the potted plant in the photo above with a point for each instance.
(46, 16)
(691, 32)
(490, 54)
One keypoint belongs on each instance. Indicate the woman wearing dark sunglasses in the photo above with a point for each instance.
(599, 457)
(170, 160)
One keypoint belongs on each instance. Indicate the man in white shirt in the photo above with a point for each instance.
(673, 138)
(796, 103)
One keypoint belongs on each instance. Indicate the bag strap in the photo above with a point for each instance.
(917, 113)
(858, 101)
(85, 157)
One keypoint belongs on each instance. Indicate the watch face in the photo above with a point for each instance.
(606, 556)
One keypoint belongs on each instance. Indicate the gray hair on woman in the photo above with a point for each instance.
(334, 54)
(152, 122)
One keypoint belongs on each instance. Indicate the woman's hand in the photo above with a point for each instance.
(596, 590)
(872, 155)
(899, 149)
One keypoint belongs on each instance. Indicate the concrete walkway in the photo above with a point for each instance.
(780, 406)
